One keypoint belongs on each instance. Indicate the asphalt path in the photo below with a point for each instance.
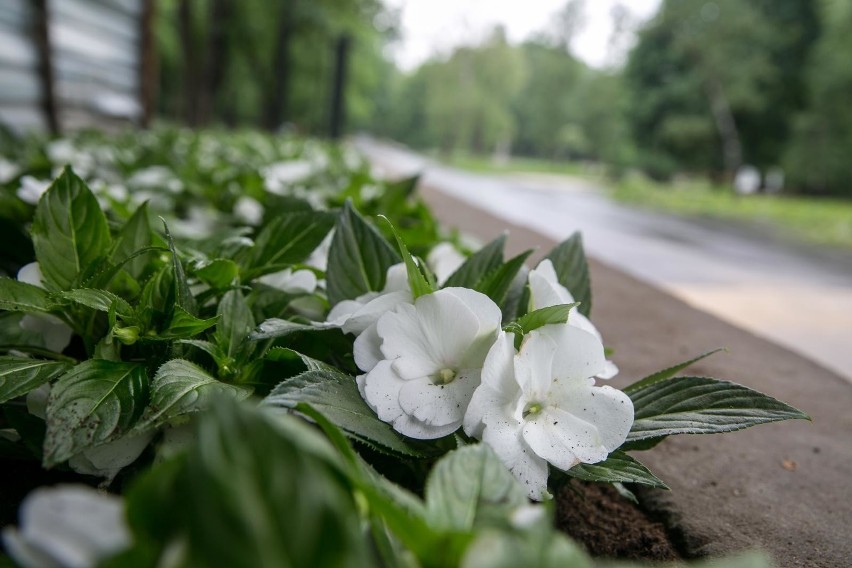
(797, 295)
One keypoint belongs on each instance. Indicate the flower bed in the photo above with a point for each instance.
(271, 367)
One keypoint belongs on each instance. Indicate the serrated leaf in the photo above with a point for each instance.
(286, 240)
(617, 468)
(311, 364)
(358, 258)
(20, 375)
(572, 270)
(276, 327)
(480, 263)
(496, 284)
(218, 273)
(94, 402)
(666, 373)
(416, 281)
(701, 405)
(180, 387)
(69, 231)
(470, 487)
(184, 325)
(336, 396)
(100, 300)
(22, 297)
(135, 235)
(235, 323)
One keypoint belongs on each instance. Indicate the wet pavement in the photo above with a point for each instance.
(798, 296)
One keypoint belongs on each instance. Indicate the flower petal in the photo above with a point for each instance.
(563, 439)
(439, 405)
(506, 439)
(608, 409)
(534, 365)
(579, 354)
(381, 391)
(367, 349)
(545, 289)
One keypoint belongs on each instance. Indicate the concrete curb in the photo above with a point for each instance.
(785, 488)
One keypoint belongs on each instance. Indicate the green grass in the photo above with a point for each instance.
(818, 220)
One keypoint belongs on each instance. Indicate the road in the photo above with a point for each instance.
(797, 296)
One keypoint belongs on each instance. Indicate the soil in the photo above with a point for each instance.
(610, 526)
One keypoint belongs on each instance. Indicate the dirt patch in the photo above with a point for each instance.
(610, 526)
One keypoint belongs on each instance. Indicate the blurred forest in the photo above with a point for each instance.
(708, 87)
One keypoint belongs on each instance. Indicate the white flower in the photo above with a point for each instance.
(443, 260)
(68, 526)
(32, 189)
(546, 291)
(248, 210)
(156, 177)
(540, 405)
(431, 355)
(279, 176)
(354, 316)
(55, 333)
(291, 282)
(8, 170)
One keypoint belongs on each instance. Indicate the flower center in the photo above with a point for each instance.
(532, 410)
(445, 376)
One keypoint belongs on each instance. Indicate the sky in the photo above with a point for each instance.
(432, 27)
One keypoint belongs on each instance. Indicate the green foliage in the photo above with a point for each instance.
(95, 402)
(358, 259)
(617, 468)
(572, 270)
(701, 405)
(20, 375)
(69, 231)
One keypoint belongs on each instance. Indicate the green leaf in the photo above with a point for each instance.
(20, 375)
(235, 323)
(336, 396)
(218, 273)
(358, 259)
(276, 327)
(701, 405)
(617, 468)
(135, 235)
(470, 487)
(572, 270)
(69, 231)
(184, 325)
(100, 300)
(286, 240)
(538, 318)
(496, 284)
(418, 283)
(482, 262)
(537, 547)
(22, 297)
(180, 387)
(93, 403)
(546, 316)
(666, 373)
(261, 493)
(183, 295)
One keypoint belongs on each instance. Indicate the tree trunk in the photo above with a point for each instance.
(148, 72)
(216, 63)
(190, 63)
(275, 98)
(732, 151)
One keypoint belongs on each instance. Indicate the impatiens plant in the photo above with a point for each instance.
(226, 326)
